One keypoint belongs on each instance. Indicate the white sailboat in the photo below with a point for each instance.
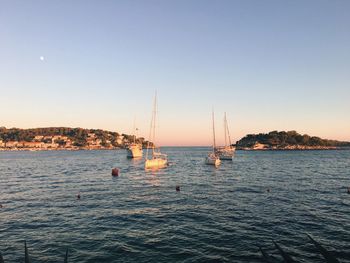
(226, 152)
(212, 158)
(134, 150)
(154, 158)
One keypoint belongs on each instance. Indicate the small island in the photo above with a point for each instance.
(63, 138)
(290, 140)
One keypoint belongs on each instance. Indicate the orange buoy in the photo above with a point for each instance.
(115, 172)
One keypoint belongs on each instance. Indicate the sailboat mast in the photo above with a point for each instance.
(151, 129)
(134, 129)
(154, 120)
(228, 131)
(214, 145)
(225, 129)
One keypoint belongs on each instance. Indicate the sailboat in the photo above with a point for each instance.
(134, 150)
(212, 158)
(226, 152)
(154, 158)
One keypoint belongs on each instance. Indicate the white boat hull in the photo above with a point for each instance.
(156, 163)
(134, 151)
(212, 160)
(225, 153)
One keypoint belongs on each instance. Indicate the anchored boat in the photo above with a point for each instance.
(226, 152)
(213, 158)
(134, 150)
(154, 158)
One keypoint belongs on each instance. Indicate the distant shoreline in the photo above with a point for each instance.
(51, 150)
(76, 139)
(286, 141)
(285, 149)
(117, 149)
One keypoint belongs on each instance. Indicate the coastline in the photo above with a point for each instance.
(57, 149)
(309, 148)
(286, 149)
(293, 148)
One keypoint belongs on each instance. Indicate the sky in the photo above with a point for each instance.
(270, 65)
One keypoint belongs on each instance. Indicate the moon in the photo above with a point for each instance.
(42, 58)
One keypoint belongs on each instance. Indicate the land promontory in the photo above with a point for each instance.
(63, 138)
(290, 140)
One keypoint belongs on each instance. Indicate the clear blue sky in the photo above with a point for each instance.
(271, 65)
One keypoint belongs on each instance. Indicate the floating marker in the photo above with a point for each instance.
(115, 172)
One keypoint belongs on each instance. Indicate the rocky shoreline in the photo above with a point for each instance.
(290, 148)
(57, 149)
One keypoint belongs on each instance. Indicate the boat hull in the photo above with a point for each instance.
(224, 157)
(134, 151)
(156, 163)
(225, 153)
(212, 160)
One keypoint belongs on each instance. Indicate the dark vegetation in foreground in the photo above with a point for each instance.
(282, 254)
(290, 138)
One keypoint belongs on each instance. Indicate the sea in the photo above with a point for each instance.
(223, 214)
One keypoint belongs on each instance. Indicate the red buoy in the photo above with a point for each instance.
(115, 172)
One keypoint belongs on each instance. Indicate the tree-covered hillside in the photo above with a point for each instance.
(79, 136)
(283, 139)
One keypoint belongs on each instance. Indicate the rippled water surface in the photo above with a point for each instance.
(221, 214)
